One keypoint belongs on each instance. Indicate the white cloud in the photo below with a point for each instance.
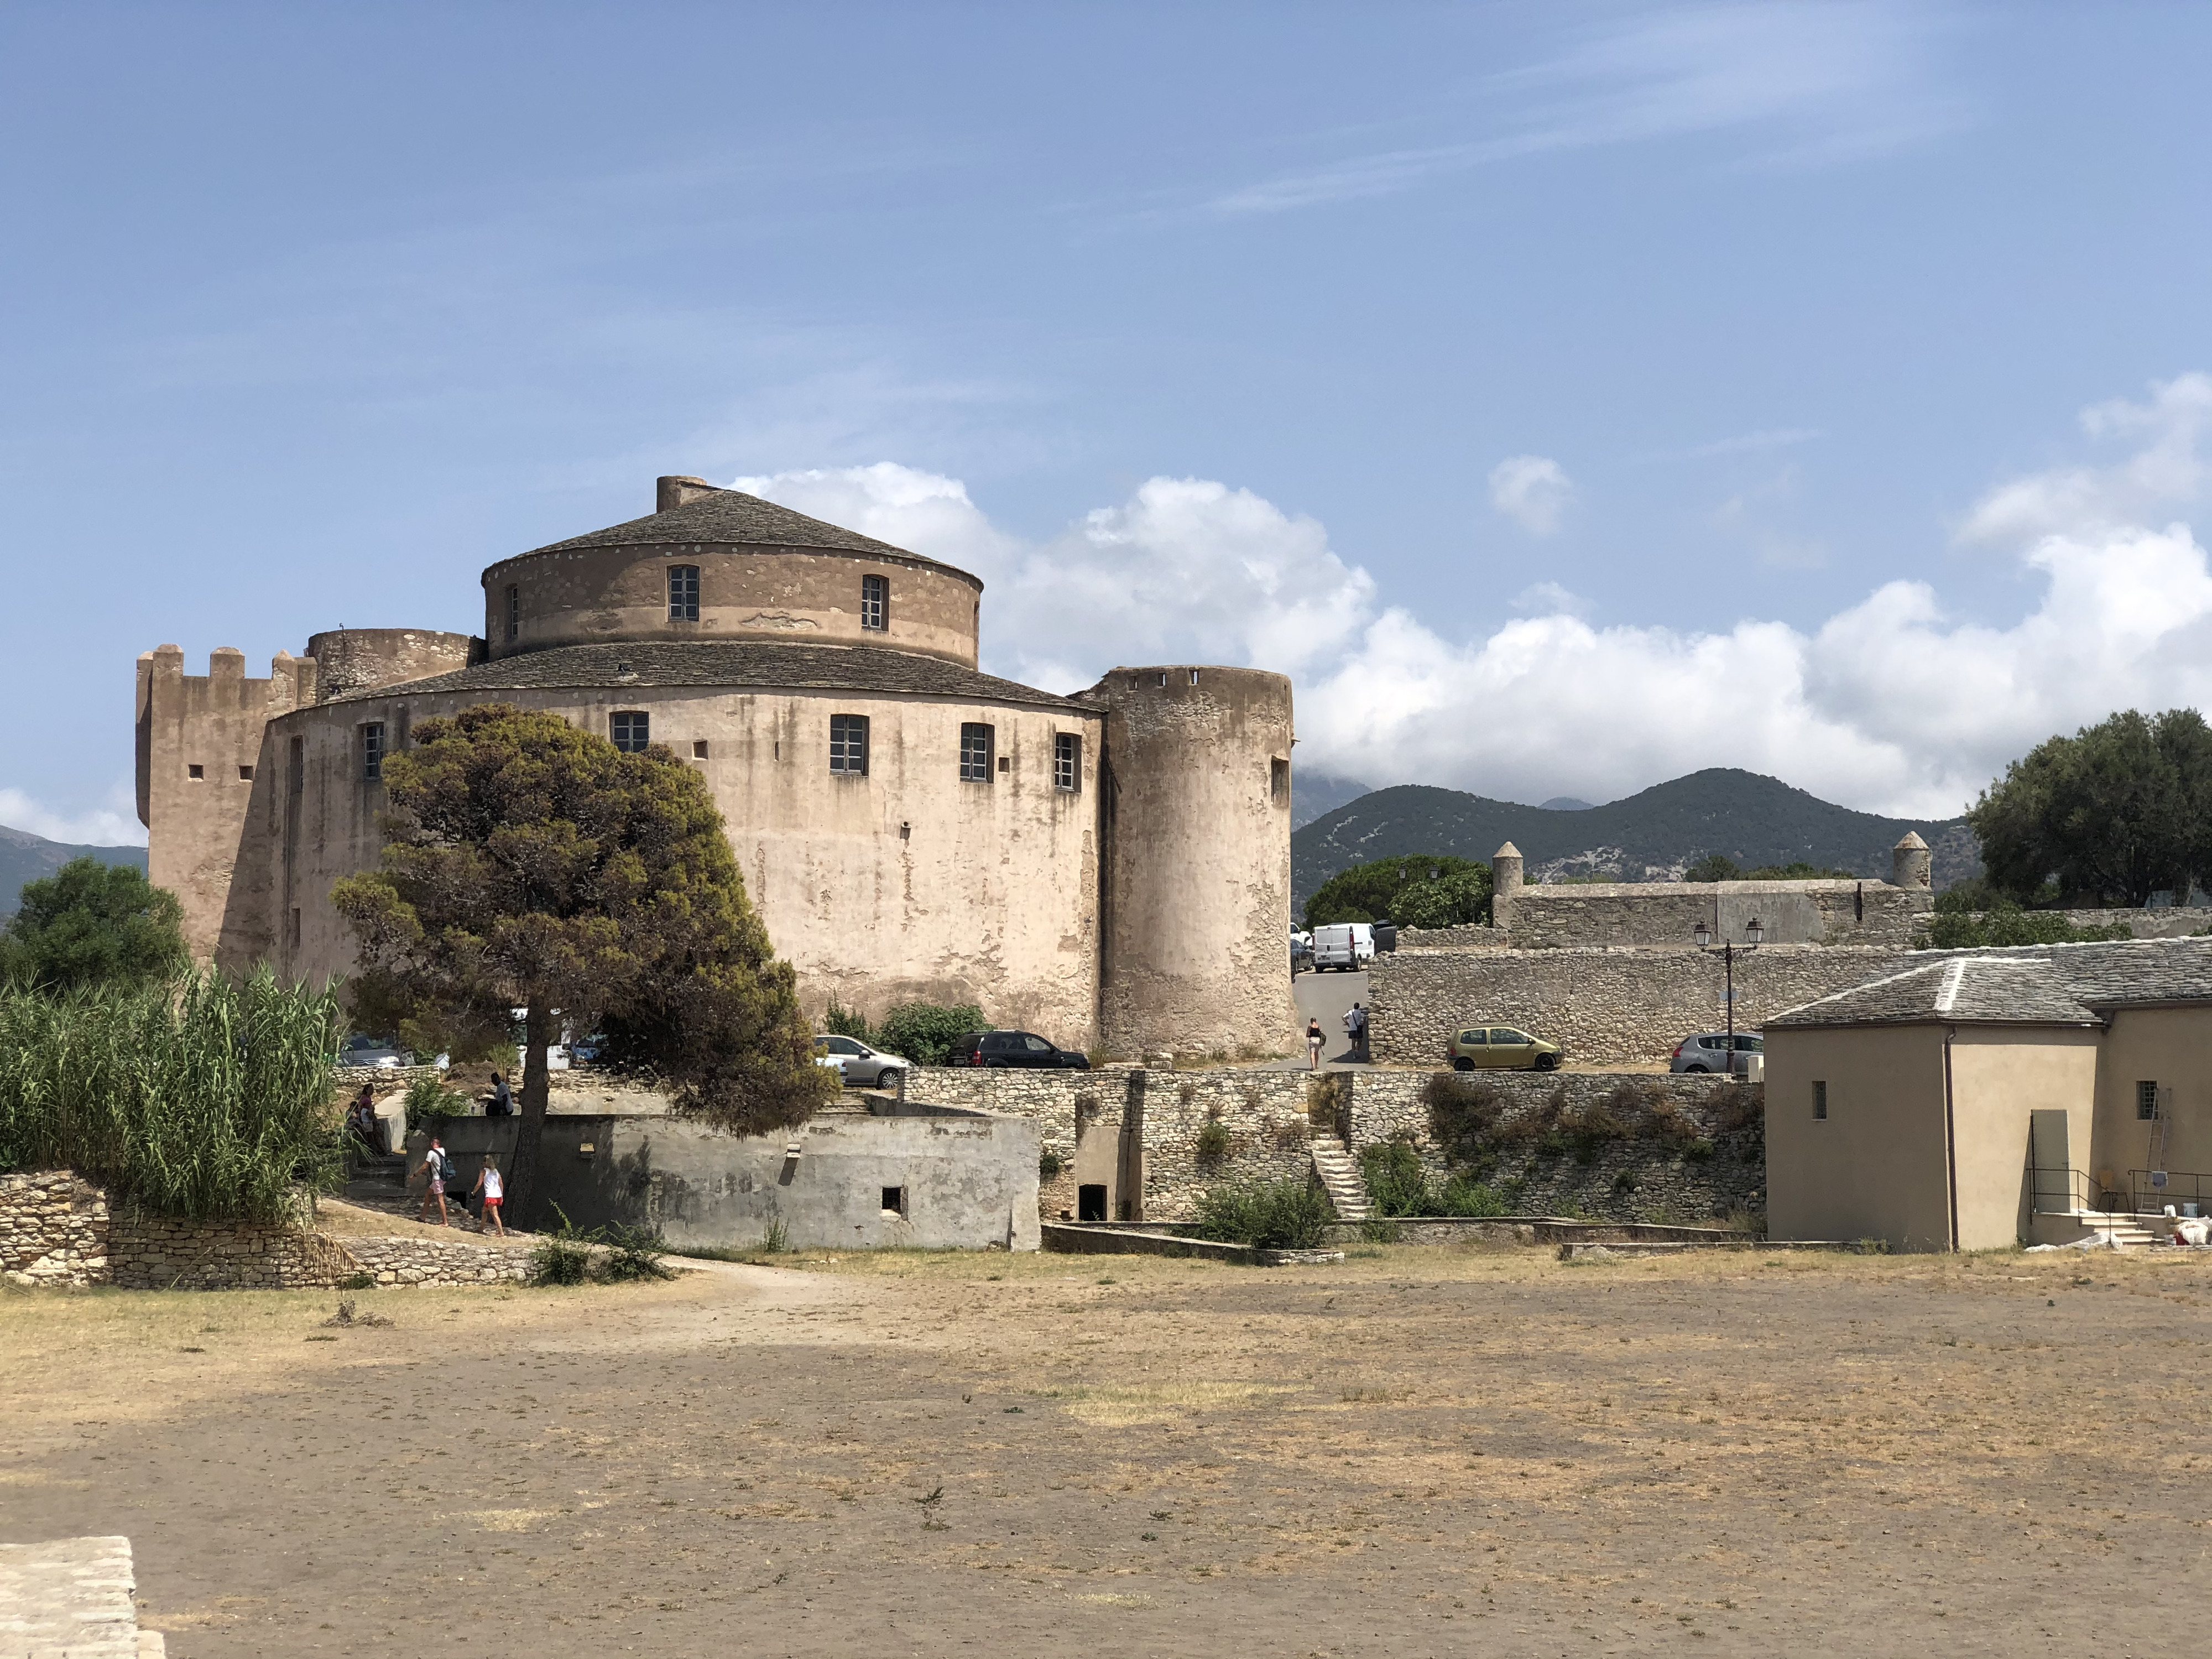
(1532, 491)
(115, 824)
(1893, 704)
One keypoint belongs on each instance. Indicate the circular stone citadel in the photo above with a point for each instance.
(1111, 868)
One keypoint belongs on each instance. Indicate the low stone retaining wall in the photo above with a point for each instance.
(56, 1229)
(1080, 1239)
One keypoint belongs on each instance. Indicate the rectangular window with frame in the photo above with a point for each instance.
(976, 744)
(631, 731)
(2147, 1101)
(875, 602)
(513, 613)
(684, 593)
(1067, 761)
(849, 744)
(371, 749)
(1819, 1102)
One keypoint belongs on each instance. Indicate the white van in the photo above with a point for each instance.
(1346, 947)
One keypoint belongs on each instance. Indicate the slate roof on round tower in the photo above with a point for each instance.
(733, 518)
(748, 665)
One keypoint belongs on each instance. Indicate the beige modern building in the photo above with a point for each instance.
(1978, 1098)
(1110, 869)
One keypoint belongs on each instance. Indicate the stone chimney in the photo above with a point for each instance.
(1505, 879)
(677, 489)
(1912, 866)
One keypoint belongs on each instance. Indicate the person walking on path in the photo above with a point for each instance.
(1355, 1027)
(1313, 1045)
(501, 1103)
(440, 1169)
(493, 1190)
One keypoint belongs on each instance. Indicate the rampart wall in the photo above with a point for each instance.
(1602, 1005)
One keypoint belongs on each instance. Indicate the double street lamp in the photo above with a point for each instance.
(1753, 934)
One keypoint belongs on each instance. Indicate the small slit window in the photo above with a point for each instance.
(2147, 1100)
(513, 614)
(631, 731)
(684, 593)
(371, 749)
(875, 602)
(295, 927)
(975, 743)
(198, 772)
(698, 749)
(849, 744)
(246, 774)
(1819, 1102)
(1279, 781)
(1067, 761)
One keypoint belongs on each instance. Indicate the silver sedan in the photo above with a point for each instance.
(860, 1065)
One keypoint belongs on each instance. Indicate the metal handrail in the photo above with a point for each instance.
(2166, 1189)
(2073, 1189)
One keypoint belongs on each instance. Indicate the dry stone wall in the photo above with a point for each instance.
(1700, 1154)
(56, 1229)
(1263, 1114)
(1602, 1006)
(1826, 912)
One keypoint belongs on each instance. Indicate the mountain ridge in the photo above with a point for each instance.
(26, 857)
(1650, 835)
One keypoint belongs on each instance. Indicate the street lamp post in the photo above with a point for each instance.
(1753, 934)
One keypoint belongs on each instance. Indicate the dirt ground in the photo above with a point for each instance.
(1418, 1451)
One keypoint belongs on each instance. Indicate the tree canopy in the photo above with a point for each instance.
(1418, 889)
(530, 865)
(92, 924)
(2117, 812)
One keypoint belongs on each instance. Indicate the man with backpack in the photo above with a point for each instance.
(439, 1168)
(1355, 1027)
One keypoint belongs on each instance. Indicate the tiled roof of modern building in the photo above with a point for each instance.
(731, 516)
(763, 665)
(2032, 984)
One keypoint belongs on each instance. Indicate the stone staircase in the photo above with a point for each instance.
(1340, 1177)
(2127, 1231)
(376, 1182)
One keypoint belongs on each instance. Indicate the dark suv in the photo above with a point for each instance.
(1013, 1049)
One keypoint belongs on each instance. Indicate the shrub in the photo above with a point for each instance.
(1463, 1195)
(1396, 1182)
(2006, 923)
(430, 1102)
(206, 1097)
(1276, 1215)
(924, 1032)
(1669, 1123)
(1211, 1145)
(562, 1256)
(633, 1254)
(842, 1021)
(1050, 1163)
(1626, 1183)
(1585, 1130)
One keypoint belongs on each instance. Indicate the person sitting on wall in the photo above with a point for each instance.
(360, 1119)
(502, 1102)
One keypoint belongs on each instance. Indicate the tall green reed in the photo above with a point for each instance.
(210, 1098)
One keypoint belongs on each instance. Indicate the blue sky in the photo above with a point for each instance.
(1567, 396)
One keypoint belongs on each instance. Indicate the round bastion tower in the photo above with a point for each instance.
(1196, 910)
(1912, 866)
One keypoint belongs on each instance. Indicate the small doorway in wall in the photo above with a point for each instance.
(1090, 1201)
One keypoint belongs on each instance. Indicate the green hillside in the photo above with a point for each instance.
(1648, 836)
(26, 857)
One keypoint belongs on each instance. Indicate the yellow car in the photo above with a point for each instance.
(1501, 1049)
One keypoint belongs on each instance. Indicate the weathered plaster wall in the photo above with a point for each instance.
(970, 1182)
(810, 595)
(1875, 1167)
(903, 884)
(2167, 1046)
(1601, 1005)
(1197, 899)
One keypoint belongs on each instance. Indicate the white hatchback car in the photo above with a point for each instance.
(860, 1065)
